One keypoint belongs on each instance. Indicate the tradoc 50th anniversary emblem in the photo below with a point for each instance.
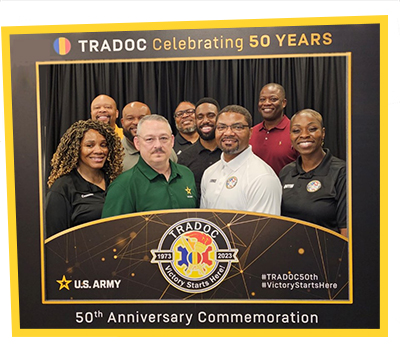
(194, 255)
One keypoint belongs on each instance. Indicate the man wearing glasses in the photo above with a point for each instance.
(240, 180)
(155, 182)
(186, 126)
(204, 151)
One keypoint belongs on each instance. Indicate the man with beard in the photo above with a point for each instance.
(104, 109)
(240, 180)
(132, 113)
(186, 126)
(204, 151)
(155, 182)
(271, 138)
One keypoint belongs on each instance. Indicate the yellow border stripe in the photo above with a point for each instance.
(384, 175)
(9, 146)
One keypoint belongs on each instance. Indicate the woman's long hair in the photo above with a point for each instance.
(66, 157)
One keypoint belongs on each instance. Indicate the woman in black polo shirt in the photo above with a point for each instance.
(314, 186)
(87, 159)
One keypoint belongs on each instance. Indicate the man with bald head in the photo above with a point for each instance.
(132, 113)
(270, 139)
(104, 109)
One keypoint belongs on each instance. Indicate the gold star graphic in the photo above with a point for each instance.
(188, 190)
(64, 283)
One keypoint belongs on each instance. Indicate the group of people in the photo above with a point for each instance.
(216, 160)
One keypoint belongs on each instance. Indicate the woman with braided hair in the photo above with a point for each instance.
(88, 158)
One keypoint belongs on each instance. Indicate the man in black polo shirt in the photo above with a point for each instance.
(204, 151)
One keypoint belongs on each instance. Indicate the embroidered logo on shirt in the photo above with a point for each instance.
(213, 180)
(189, 192)
(86, 195)
(288, 186)
(313, 186)
(231, 182)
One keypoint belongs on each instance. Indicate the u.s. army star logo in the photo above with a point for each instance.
(64, 283)
(194, 255)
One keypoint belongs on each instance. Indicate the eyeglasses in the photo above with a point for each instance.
(150, 140)
(236, 128)
(189, 112)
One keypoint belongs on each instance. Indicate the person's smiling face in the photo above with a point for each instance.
(232, 134)
(104, 109)
(184, 118)
(93, 151)
(131, 115)
(271, 103)
(306, 133)
(206, 114)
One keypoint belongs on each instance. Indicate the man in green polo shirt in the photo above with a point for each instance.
(155, 182)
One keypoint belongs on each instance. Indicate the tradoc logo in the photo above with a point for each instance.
(62, 46)
(194, 255)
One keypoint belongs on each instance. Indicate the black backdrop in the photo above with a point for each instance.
(66, 90)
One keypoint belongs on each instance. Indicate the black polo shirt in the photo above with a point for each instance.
(72, 201)
(181, 144)
(198, 159)
(317, 196)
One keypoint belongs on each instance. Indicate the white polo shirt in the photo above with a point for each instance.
(246, 183)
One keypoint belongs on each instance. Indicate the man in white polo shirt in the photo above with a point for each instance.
(240, 180)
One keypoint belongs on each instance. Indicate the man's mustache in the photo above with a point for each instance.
(158, 150)
(206, 125)
(231, 137)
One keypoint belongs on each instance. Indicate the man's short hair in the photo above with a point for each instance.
(238, 109)
(155, 117)
(277, 86)
(208, 101)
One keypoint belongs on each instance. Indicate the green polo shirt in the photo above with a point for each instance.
(143, 189)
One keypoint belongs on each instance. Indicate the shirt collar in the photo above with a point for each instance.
(281, 125)
(180, 139)
(151, 174)
(321, 170)
(129, 147)
(200, 148)
(81, 184)
(239, 160)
